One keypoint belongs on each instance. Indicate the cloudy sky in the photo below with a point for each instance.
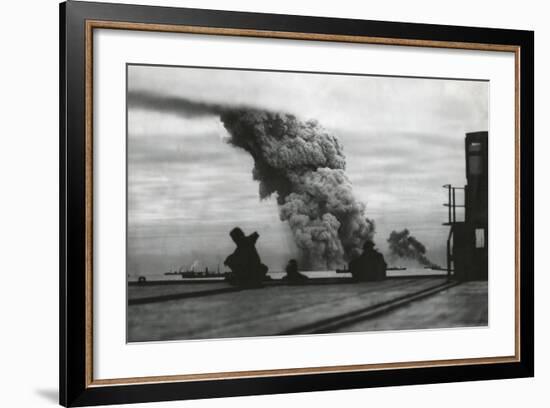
(187, 188)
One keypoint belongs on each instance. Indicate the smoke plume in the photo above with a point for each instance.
(305, 166)
(403, 245)
(301, 163)
(171, 104)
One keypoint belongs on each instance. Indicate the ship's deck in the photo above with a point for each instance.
(200, 310)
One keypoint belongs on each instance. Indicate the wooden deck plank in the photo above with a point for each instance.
(149, 291)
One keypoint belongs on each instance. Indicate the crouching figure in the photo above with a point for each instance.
(292, 275)
(369, 266)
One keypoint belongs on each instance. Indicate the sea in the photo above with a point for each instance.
(153, 277)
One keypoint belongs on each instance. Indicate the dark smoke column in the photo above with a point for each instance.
(305, 166)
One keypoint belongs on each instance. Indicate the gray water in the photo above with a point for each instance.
(312, 274)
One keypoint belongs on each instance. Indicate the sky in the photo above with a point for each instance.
(403, 139)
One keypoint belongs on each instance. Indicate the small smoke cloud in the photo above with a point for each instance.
(305, 166)
(403, 245)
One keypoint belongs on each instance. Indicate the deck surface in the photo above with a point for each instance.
(216, 310)
(464, 305)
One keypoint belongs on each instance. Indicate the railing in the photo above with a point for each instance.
(451, 204)
(452, 221)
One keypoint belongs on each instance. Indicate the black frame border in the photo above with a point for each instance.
(72, 177)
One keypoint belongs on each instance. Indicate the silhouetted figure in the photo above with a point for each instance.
(292, 274)
(369, 266)
(247, 270)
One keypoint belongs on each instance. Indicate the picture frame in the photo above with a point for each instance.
(79, 21)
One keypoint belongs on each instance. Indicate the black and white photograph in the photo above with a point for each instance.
(264, 203)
